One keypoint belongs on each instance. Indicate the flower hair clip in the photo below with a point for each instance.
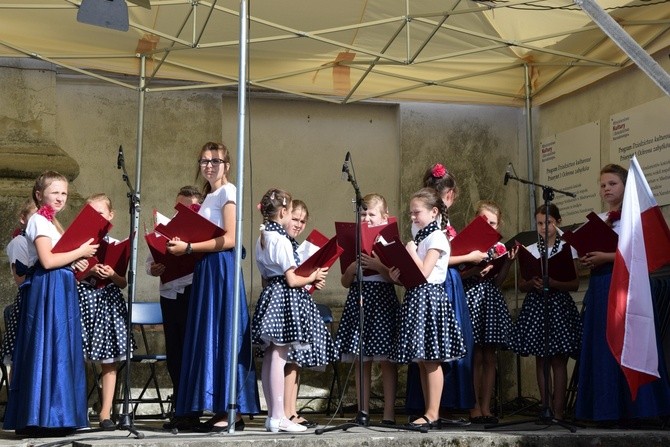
(47, 211)
(438, 171)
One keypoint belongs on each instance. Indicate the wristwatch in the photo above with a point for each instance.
(189, 249)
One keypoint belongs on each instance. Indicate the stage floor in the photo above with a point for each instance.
(254, 435)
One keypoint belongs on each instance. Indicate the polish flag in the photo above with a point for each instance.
(644, 246)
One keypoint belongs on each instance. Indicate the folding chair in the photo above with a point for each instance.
(147, 314)
(327, 316)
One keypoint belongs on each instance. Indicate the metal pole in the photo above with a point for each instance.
(620, 37)
(238, 284)
(529, 146)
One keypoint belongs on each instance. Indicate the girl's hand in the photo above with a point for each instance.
(483, 272)
(372, 262)
(87, 249)
(511, 255)
(596, 259)
(156, 269)
(80, 264)
(537, 282)
(394, 274)
(477, 256)
(176, 246)
(319, 284)
(320, 276)
(104, 271)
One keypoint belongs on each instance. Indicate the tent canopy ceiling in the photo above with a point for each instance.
(349, 50)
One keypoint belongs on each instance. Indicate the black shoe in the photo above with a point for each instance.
(388, 422)
(107, 425)
(428, 424)
(239, 426)
(182, 423)
(445, 422)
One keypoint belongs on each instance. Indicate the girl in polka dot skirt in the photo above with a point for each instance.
(104, 318)
(565, 328)
(381, 310)
(286, 317)
(491, 320)
(429, 333)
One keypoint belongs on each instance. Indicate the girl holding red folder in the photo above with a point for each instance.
(381, 312)
(104, 317)
(429, 333)
(603, 394)
(491, 320)
(286, 318)
(458, 391)
(565, 328)
(205, 381)
(47, 393)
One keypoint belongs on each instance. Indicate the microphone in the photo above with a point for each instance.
(119, 158)
(345, 166)
(508, 174)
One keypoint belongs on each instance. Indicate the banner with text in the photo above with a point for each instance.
(570, 161)
(645, 131)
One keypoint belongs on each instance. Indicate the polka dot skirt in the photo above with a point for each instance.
(381, 313)
(428, 328)
(565, 327)
(11, 325)
(491, 320)
(104, 317)
(286, 315)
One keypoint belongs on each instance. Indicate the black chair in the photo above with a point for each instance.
(147, 314)
(329, 320)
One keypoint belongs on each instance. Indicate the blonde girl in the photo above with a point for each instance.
(47, 394)
(381, 311)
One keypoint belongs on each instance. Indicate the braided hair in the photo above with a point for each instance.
(271, 203)
(442, 181)
(432, 199)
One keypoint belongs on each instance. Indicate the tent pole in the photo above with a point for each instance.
(620, 37)
(126, 418)
(238, 284)
(529, 145)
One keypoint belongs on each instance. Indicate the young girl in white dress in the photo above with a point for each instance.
(429, 333)
(286, 317)
(104, 317)
(381, 311)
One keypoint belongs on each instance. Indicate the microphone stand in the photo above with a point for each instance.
(362, 418)
(547, 415)
(126, 416)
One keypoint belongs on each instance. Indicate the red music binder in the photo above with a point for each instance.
(314, 241)
(592, 235)
(561, 265)
(115, 254)
(88, 224)
(189, 226)
(478, 235)
(323, 258)
(175, 266)
(346, 238)
(394, 254)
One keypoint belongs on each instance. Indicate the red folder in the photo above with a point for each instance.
(314, 241)
(88, 224)
(175, 266)
(346, 238)
(561, 265)
(115, 254)
(592, 235)
(189, 226)
(478, 235)
(323, 258)
(394, 254)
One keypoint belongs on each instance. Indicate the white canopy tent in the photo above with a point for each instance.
(513, 53)
(350, 50)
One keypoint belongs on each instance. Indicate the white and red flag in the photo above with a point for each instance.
(644, 246)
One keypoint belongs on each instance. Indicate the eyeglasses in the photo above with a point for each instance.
(214, 161)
